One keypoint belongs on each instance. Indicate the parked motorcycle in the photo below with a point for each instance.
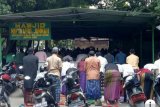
(157, 90)
(10, 69)
(20, 78)
(4, 97)
(74, 93)
(42, 90)
(134, 91)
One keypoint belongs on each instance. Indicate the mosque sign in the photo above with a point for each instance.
(30, 31)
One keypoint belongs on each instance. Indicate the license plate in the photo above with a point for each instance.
(43, 104)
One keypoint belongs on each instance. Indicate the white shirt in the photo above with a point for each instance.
(150, 66)
(120, 68)
(103, 62)
(157, 63)
(65, 66)
(40, 75)
(127, 70)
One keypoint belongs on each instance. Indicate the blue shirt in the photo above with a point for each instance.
(120, 58)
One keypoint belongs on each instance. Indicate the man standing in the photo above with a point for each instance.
(30, 67)
(120, 57)
(103, 61)
(92, 67)
(54, 69)
(133, 60)
(109, 57)
(157, 62)
(19, 57)
(41, 56)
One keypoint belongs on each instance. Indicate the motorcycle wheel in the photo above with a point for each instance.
(4, 104)
(139, 104)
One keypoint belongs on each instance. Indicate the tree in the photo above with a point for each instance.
(130, 5)
(21, 5)
(32, 5)
(4, 7)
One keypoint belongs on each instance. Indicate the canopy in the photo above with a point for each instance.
(77, 22)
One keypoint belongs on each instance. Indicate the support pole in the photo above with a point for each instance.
(0, 50)
(153, 44)
(141, 46)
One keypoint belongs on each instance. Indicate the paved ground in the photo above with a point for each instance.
(16, 100)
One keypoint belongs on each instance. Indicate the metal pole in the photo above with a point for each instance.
(153, 44)
(141, 46)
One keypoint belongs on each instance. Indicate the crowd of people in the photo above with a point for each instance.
(96, 70)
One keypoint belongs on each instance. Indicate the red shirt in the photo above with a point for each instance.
(81, 66)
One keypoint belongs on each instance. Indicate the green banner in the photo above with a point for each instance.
(30, 31)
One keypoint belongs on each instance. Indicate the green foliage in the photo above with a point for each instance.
(68, 43)
(21, 5)
(129, 5)
(157, 6)
(4, 7)
(31, 5)
(45, 4)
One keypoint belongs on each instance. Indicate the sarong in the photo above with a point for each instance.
(147, 78)
(102, 82)
(83, 80)
(112, 85)
(63, 91)
(93, 91)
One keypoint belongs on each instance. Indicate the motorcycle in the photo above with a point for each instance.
(20, 78)
(74, 93)
(10, 69)
(156, 90)
(4, 97)
(134, 91)
(42, 91)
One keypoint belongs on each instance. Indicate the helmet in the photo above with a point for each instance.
(6, 77)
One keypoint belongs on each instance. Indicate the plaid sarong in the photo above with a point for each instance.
(57, 88)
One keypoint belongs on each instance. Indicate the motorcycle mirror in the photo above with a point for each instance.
(27, 77)
(48, 83)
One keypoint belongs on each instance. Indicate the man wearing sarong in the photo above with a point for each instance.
(65, 66)
(92, 67)
(147, 75)
(112, 83)
(41, 57)
(157, 62)
(103, 62)
(133, 60)
(54, 69)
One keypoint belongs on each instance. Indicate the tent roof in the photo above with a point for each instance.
(67, 20)
(80, 14)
